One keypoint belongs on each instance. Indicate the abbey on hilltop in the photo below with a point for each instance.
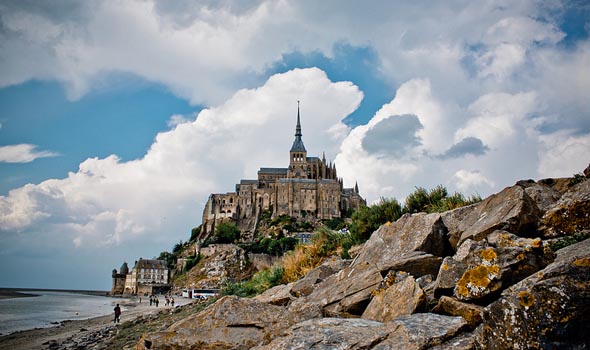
(308, 189)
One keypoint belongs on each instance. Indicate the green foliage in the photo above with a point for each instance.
(170, 258)
(192, 261)
(226, 233)
(178, 247)
(195, 233)
(579, 177)
(260, 282)
(335, 223)
(267, 245)
(368, 219)
(436, 200)
(568, 240)
(282, 219)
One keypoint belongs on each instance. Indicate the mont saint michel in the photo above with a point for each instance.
(308, 189)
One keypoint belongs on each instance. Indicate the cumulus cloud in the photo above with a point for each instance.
(108, 201)
(468, 180)
(22, 153)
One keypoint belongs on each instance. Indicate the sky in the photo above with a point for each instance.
(119, 118)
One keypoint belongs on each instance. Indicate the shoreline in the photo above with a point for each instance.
(11, 291)
(10, 294)
(47, 337)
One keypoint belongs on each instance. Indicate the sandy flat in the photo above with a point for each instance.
(35, 338)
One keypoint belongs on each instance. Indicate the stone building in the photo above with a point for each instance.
(119, 279)
(145, 278)
(308, 189)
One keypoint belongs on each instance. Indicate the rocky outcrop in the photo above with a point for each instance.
(478, 277)
(512, 210)
(417, 236)
(570, 214)
(548, 310)
(479, 269)
(419, 331)
(314, 277)
(342, 294)
(230, 323)
(401, 295)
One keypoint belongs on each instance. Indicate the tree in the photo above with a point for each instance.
(368, 219)
(227, 233)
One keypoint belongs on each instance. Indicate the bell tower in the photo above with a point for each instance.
(298, 153)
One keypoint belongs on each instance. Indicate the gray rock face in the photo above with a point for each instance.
(331, 333)
(548, 310)
(570, 214)
(230, 323)
(396, 242)
(347, 292)
(309, 282)
(453, 307)
(421, 331)
(511, 210)
(277, 295)
(481, 268)
(402, 297)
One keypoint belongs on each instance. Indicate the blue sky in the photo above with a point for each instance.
(118, 119)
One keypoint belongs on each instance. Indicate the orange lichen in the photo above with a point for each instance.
(526, 299)
(445, 267)
(582, 262)
(475, 280)
(489, 254)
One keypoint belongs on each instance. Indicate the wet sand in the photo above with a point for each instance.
(38, 338)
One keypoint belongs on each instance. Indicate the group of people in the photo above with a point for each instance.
(154, 301)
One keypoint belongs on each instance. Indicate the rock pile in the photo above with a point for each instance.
(478, 277)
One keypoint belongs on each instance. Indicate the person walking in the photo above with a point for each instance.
(117, 314)
(157, 301)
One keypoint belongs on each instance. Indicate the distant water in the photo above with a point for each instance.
(19, 314)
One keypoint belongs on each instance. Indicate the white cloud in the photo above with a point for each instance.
(563, 154)
(497, 117)
(177, 119)
(22, 153)
(466, 180)
(108, 201)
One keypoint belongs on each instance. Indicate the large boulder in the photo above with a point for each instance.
(481, 268)
(346, 292)
(277, 295)
(453, 307)
(310, 281)
(512, 210)
(230, 323)
(419, 331)
(329, 334)
(418, 236)
(400, 296)
(548, 310)
(570, 214)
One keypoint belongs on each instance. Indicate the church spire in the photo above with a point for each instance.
(298, 127)
(298, 143)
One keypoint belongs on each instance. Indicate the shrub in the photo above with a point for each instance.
(226, 233)
(368, 219)
(260, 282)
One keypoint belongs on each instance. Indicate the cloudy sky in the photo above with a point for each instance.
(119, 118)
